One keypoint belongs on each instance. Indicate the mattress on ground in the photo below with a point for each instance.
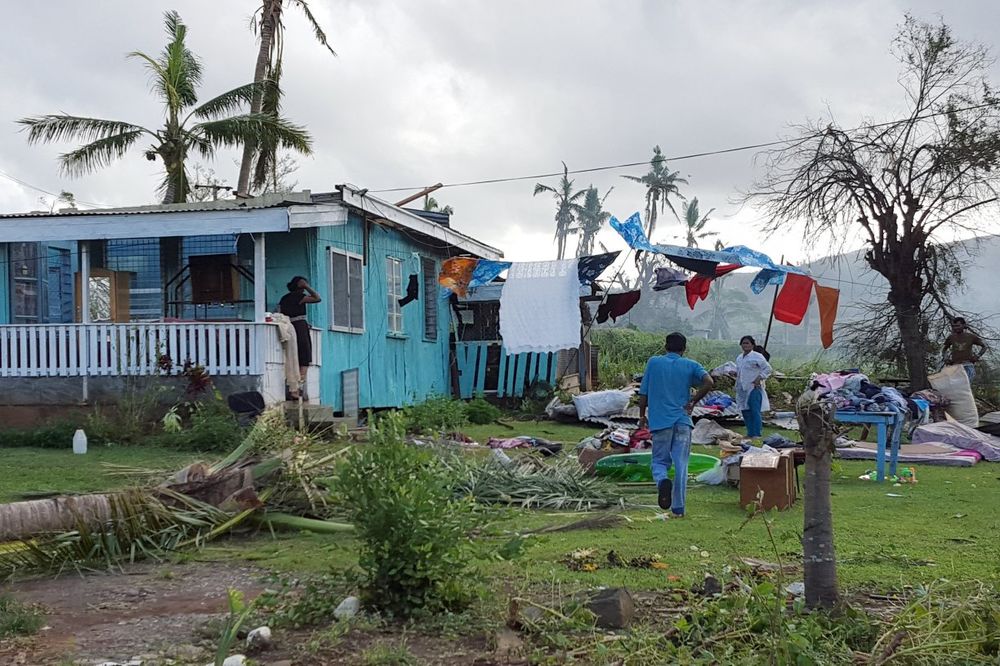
(927, 453)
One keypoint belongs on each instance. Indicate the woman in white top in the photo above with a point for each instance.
(752, 369)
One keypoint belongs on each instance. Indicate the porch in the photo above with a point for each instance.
(78, 362)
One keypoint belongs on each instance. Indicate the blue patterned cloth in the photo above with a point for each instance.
(631, 231)
(766, 277)
(590, 268)
(486, 270)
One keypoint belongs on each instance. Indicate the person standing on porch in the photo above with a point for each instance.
(752, 369)
(293, 305)
(666, 393)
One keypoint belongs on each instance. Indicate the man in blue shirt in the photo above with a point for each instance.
(666, 391)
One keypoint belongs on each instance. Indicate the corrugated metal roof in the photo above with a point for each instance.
(264, 201)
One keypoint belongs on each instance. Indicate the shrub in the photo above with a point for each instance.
(210, 426)
(414, 548)
(480, 412)
(51, 436)
(436, 414)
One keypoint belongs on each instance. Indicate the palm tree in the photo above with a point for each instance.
(431, 204)
(661, 184)
(591, 216)
(176, 74)
(565, 198)
(695, 223)
(268, 68)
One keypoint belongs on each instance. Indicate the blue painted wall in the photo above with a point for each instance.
(394, 370)
(4, 285)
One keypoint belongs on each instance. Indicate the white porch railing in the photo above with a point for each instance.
(66, 350)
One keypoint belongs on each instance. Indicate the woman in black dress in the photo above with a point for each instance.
(293, 305)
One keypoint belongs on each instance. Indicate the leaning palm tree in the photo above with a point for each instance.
(203, 128)
(695, 222)
(591, 216)
(661, 184)
(267, 19)
(565, 198)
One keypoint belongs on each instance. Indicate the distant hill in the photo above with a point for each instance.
(668, 310)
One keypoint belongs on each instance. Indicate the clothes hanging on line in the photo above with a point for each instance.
(667, 278)
(765, 278)
(701, 267)
(412, 292)
(456, 274)
(827, 298)
(486, 271)
(793, 299)
(591, 267)
(615, 305)
(540, 307)
(697, 287)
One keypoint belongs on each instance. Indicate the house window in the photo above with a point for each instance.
(428, 271)
(394, 290)
(347, 291)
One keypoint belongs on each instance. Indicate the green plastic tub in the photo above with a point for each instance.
(635, 467)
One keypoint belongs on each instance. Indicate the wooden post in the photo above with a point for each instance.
(819, 561)
(770, 319)
(85, 315)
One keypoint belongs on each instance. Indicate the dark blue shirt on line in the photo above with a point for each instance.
(667, 385)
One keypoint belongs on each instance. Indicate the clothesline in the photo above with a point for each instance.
(460, 274)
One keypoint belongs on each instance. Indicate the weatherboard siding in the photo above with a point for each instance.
(393, 370)
(4, 284)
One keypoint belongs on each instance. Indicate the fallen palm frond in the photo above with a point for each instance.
(284, 520)
(533, 484)
(139, 524)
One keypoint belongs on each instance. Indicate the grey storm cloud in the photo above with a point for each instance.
(432, 90)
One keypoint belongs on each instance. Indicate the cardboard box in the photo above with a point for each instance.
(778, 484)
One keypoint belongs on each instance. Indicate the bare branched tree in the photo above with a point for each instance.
(908, 187)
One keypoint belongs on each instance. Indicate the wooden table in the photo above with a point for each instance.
(884, 421)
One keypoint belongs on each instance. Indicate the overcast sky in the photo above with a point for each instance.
(432, 90)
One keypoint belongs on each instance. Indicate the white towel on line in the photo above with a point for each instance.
(540, 307)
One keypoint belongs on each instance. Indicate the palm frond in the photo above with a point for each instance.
(252, 127)
(59, 127)
(539, 188)
(177, 73)
(97, 154)
(317, 30)
(231, 101)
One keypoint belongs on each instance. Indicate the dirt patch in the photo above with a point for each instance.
(148, 610)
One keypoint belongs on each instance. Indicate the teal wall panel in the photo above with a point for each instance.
(393, 370)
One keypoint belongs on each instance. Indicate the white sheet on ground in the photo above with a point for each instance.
(600, 403)
(540, 307)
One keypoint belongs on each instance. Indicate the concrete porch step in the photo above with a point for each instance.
(316, 415)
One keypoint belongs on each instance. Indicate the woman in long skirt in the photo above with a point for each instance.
(752, 369)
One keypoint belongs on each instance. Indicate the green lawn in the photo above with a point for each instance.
(27, 470)
(947, 526)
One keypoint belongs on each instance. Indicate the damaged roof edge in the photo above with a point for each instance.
(360, 198)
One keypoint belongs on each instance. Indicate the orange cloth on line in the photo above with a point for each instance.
(456, 273)
(793, 299)
(827, 298)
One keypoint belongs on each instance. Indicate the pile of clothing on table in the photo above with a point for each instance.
(852, 391)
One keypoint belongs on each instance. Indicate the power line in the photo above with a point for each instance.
(44, 191)
(675, 158)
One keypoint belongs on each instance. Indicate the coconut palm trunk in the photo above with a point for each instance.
(20, 520)
(819, 562)
(270, 16)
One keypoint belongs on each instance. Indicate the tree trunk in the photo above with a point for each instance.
(269, 18)
(20, 520)
(914, 340)
(819, 562)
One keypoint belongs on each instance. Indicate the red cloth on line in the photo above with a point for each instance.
(827, 298)
(793, 299)
(698, 285)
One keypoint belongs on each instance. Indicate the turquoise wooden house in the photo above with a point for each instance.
(91, 298)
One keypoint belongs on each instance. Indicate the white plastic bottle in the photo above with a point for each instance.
(79, 442)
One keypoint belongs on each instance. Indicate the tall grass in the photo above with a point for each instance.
(624, 353)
